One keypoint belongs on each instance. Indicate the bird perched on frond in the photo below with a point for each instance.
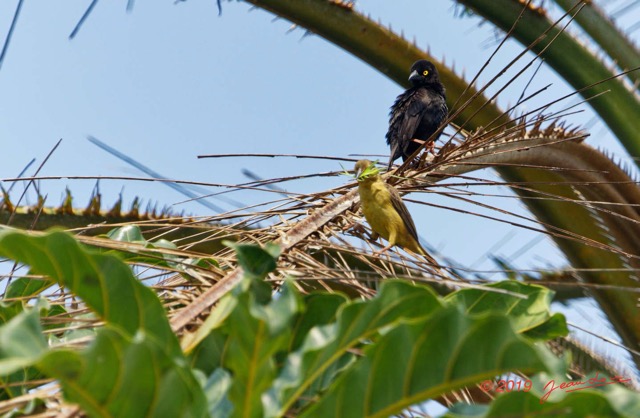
(385, 211)
(417, 113)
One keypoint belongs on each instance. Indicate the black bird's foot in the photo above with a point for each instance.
(430, 148)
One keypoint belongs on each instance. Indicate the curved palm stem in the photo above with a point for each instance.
(607, 35)
(381, 48)
(584, 239)
(616, 104)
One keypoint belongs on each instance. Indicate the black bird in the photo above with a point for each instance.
(417, 113)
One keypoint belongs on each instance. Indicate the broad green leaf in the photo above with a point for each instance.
(216, 390)
(133, 234)
(19, 382)
(76, 329)
(121, 376)
(21, 339)
(216, 319)
(134, 367)
(9, 310)
(427, 358)
(356, 321)
(52, 318)
(256, 332)
(320, 309)
(32, 407)
(25, 287)
(204, 263)
(526, 314)
(555, 326)
(127, 233)
(21, 344)
(103, 281)
(207, 355)
(255, 261)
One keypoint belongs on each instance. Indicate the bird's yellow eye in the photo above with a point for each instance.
(425, 72)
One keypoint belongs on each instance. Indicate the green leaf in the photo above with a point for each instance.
(21, 344)
(25, 287)
(134, 367)
(126, 377)
(21, 339)
(9, 310)
(133, 234)
(273, 250)
(103, 281)
(527, 313)
(216, 389)
(204, 263)
(320, 309)
(216, 319)
(356, 321)
(30, 408)
(51, 319)
(256, 333)
(127, 233)
(427, 358)
(574, 61)
(254, 260)
(207, 355)
(555, 326)
(19, 383)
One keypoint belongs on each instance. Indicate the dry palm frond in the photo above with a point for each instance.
(330, 215)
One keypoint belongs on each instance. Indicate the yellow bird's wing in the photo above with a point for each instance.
(402, 210)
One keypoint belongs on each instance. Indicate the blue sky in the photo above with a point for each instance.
(168, 82)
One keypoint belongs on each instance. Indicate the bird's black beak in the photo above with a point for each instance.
(358, 173)
(414, 76)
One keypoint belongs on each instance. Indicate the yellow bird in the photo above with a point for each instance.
(385, 211)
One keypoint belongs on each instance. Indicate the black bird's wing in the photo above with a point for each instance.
(401, 124)
(416, 114)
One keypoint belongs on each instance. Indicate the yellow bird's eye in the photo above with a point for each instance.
(425, 72)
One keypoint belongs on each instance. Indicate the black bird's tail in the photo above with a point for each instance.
(394, 155)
